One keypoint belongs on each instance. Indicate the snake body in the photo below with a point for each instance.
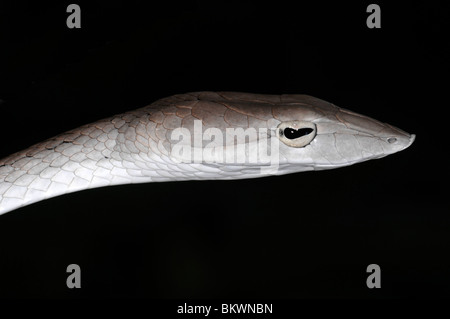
(138, 146)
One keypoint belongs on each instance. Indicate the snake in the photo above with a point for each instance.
(198, 136)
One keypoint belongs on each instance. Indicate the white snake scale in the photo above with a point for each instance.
(135, 147)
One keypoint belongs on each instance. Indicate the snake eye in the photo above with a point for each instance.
(296, 133)
(292, 133)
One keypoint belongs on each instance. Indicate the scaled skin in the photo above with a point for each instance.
(136, 147)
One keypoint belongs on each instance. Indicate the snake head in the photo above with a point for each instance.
(316, 135)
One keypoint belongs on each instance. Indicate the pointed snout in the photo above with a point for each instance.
(391, 139)
(399, 141)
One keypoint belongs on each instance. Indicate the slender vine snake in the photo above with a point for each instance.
(197, 136)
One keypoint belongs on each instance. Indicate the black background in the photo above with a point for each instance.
(306, 235)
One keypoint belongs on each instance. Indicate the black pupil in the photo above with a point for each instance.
(292, 133)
